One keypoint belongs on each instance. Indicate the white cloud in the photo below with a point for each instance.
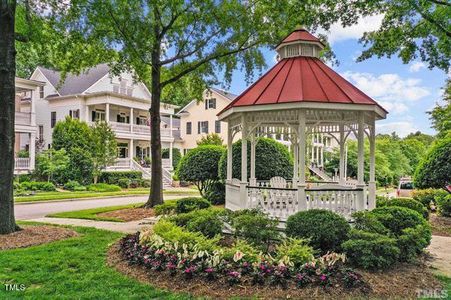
(416, 66)
(391, 90)
(402, 128)
(339, 33)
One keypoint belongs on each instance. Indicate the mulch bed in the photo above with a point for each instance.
(401, 282)
(34, 235)
(440, 225)
(129, 214)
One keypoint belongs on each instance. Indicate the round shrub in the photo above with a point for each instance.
(271, 159)
(103, 187)
(325, 229)
(413, 241)
(371, 250)
(444, 205)
(205, 221)
(124, 183)
(200, 166)
(396, 218)
(71, 185)
(168, 207)
(216, 193)
(405, 202)
(434, 169)
(428, 196)
(185, 205)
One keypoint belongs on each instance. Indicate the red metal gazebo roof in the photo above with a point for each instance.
(300, 35)
(301, 79)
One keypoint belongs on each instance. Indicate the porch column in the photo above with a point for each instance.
(87, 115)
(170, 155)
(32, 150)
(360, 165)
(372, 181)
(170, 125)
(243, 185)
(130, 152)
(342, 177)
(229, 152)
(107, 112)
(253, 180)
(131, 119)
(302, 201)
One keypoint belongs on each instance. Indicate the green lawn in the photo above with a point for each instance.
(91, 214)
(48, 196)
(71, 269)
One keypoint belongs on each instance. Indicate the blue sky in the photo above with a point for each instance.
(407, 91)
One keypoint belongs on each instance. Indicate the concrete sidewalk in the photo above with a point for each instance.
(440, 249)
(125, 227)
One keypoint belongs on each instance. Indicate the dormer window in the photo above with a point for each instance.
(210, 103)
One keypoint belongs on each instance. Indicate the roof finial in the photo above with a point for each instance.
(299, 27)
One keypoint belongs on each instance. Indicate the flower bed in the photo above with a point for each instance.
(158, 255)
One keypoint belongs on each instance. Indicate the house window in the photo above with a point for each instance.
(189, 127)
(210, 103)
(41, 92)
(52, 119)
(41, 133)
(74, 114)
(122, 118)
(202, 127)
(141, 120)
(217, 126)
(122, 150)
(98, 115)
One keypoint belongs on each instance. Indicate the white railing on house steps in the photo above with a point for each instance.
(21, 163)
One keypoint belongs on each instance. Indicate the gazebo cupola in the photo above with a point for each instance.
(302, 99)
(299, 43)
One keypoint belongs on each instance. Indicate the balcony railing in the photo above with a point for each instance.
(22, 163)
(22, 118)
(138, 129)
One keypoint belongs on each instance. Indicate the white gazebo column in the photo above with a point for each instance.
(253, 180)
(360, 164)
(296, 161)
(243, 184)
(342, 179)
(229, 153)
(302, 201)
(372, 181)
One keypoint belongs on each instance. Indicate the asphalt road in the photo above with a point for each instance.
(40, 210)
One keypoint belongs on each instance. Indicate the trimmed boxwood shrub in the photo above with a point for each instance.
(115, 176)
(364, 220)
(396, 218)
(444, 205)
(167, 208)
(124, 183)
(205, 221)
(427, 196)
(371, 250)
(434, 169)
(325, 229)
(103, 187)
(216, 193)
(188, 204)
(71, 185)
(271, 159)
(38, 186)
(413, 241)
(405, 202)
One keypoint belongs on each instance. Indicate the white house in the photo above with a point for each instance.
(98, 95)
(27, 93)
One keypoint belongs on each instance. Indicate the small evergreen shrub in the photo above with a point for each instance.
(115, 176)
(124, 183)
(206, 222)
(405, 202)
(71, 185)
(167, 208)
(103, 187)
(412, 241)
(255, 227)
(444, 205)
(396, 219)
(79, 188)
(427, 196)
(216, 193)
(38, 186)
(188, 204)
(371, 250)
(325, 230)
(364, 220)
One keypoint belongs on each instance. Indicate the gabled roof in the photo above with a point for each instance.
(226, 94)
(301, 79)
(75, 84)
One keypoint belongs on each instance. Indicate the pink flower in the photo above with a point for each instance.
(323, 277)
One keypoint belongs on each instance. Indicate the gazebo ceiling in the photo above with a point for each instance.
(301, 77)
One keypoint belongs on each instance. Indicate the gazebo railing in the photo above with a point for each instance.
(276, 202)
(341, 201)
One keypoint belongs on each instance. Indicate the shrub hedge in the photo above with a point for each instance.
(216, 193)
(444, 205)
(114, 177)
(396, 219)
(427, 196)
(405, 202)
(167, 208)
(188, 204)
(103, 187)
(37, 186)
(325, 229)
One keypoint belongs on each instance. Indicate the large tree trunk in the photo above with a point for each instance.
(7, 108)
(156, 184)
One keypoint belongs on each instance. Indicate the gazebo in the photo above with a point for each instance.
(301, 96)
